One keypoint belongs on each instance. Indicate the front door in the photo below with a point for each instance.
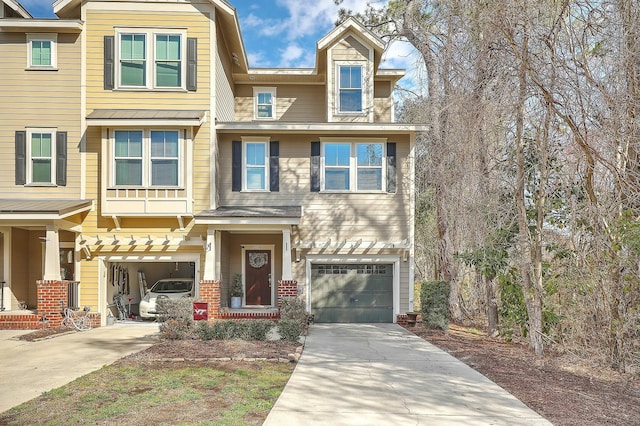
(257, 277)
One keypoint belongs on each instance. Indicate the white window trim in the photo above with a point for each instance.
(146, 158)
(53, 38)
(29, 169)
(363, 87)
(353, 164)
(246, 140)
(257, 90)
(150, 58)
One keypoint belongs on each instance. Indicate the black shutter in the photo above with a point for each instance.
(109, 61)
(21, 158)
(315, 166)
(391, 167)
(236, 165)
(61, 158)
(274, 166)
(192, 63)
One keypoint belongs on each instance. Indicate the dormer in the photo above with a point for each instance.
(352, 54)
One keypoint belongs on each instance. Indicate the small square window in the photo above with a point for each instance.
(41, 51)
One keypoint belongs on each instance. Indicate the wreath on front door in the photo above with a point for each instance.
(258, 260)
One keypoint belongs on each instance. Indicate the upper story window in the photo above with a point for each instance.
(355, 166)
(165, 69)
(42, 156)
(148, 158)
(350, 88)
(264, 103)
(256, 172)
(42, 51)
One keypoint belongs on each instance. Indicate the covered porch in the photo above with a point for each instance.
(40, 260)
(248, 254)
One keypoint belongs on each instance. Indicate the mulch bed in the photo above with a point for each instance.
(45, 333)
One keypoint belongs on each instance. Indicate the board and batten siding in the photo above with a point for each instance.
(101, 23)
(39, 98)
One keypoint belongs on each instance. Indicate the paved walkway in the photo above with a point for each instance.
(29, 368)
(370, 374)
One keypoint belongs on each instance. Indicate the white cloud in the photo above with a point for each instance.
(290, 54)
(305, 19)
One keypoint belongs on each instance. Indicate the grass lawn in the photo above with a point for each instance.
(141, 393)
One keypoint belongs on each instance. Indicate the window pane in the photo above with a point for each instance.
(336, 179)
(369, 179)
(264, 98)
(133, 73)
(351, 77)
(40, 52)
(351, 100)
(255, 178)
(41, 170)
(164, 172)
(265, 111)
(369, 154)
(337, 154)
(168, 74)
(164, 144)
(168, 47)
(128, 144)
(128, 172)
(255, 154)
(132, 46)
(41, 145)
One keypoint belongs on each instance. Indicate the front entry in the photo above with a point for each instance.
(257, 268)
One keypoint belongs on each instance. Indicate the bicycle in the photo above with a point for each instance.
(80, 320)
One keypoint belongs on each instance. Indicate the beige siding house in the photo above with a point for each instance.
(140, 145)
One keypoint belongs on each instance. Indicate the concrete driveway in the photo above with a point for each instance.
(380, 374)
(29, 368)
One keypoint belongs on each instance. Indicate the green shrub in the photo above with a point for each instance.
(176, 316)
(289, 330)
(203, 330)
(226, 329)
(293, 309)
(434, 296)
(258, 329)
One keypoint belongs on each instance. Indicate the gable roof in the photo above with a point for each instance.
(18, 8)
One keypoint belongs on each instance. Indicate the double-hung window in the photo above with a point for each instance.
(133, 60)
(128, 157)
(42, 156)
(164, 158)
(350, 88)
(265, 103)
(147, 158)
(357, 166)
(255, 166)
(151, 59)
(42, 51)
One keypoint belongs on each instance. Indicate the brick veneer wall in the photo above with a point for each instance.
(286, 288)
(52, 298)
(210, 293)
(11, 321)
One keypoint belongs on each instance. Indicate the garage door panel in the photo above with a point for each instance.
(352, 293)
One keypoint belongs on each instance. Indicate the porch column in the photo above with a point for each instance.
(286, 255)
(210, 256)
(52, 255)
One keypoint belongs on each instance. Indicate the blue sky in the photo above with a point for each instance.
(282, 33)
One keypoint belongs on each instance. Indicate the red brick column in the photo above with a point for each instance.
(52, 298)
(210, 293)
(286, 288)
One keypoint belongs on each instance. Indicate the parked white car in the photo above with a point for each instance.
(166, 288)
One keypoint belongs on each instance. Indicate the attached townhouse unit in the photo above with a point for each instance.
(139, 145)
